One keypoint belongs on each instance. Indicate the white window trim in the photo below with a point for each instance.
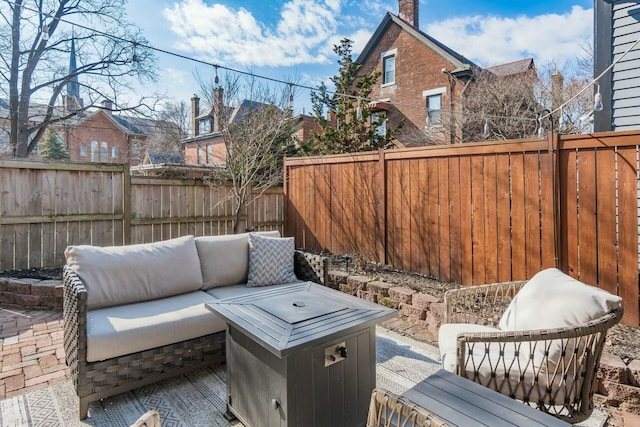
(383, 55)
(436, 91)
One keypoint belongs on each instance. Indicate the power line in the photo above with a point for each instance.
(307, 87)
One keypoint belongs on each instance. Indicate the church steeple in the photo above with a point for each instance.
(73, 100)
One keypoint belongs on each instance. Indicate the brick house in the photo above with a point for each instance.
(205, 146)
(102, 136)
(421, 78)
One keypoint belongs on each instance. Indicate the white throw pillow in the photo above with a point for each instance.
(224, 260)
(270, 260)
(552, 299)
(117, 275)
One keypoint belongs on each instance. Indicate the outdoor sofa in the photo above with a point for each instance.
(135, 314)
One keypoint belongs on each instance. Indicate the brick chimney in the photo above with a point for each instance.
(107, 106)
(195, 112)
(557, 95)
(218, 109)
(408, 11)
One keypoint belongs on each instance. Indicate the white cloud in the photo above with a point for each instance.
(490, 40)
(222, 34)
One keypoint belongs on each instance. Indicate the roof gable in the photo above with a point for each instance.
(458, 61)
(510, 68)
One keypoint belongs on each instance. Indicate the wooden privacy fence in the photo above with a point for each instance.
(44, 207)
(480, 213)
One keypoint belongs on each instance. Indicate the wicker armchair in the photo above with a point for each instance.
(390, 410)
(98, 380)
(553, 369)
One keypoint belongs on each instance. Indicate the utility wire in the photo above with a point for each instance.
(307, 87)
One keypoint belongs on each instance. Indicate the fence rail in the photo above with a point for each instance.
(480, 213)
(45, 207)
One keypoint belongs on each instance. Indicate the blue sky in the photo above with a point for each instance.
(294, 39)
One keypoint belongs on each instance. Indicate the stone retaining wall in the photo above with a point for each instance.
(31, 293)
(618, 383)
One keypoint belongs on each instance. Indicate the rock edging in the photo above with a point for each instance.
(31, 293)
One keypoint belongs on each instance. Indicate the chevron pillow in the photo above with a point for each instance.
(270, 260)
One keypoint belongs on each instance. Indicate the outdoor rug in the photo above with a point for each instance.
(198, 399)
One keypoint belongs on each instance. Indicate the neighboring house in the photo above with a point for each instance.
(206, 147)
(101, 136)
(304, 126)
(617, 27)
(421, 78)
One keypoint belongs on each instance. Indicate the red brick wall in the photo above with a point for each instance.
(99, 127)
(217, 152)
(418, 68)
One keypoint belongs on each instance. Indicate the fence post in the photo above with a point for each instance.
(127, 194)
(554, 151)
(381, 206)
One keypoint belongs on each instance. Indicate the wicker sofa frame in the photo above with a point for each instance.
(581, 347)
(98, 380)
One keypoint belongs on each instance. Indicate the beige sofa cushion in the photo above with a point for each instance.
(119, 275)
(552, 299)
(224, 260)
(126, 329)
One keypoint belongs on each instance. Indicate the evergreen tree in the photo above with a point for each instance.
(355, 128)
(52, 148)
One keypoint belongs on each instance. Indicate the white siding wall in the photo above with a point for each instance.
(626, 73)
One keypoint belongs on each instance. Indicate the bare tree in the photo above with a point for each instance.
(256, 128)
(172, 125)
(35, 41)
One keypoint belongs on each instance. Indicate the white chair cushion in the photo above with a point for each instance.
(447, 337)
(126, 329)
(485, 362)
(270, 260)
(552, 299)
(119, 275)
(234, 291)
(224, 260)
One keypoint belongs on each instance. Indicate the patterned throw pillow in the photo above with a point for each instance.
(270, 260)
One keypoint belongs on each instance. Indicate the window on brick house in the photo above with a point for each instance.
(95, 151)
(114, 152)
(209, 154)
(199, 155)
(433, 104)
(389, 67)
(204, 126)
(104, 152)
(380, 119)
(434, 110)
(83, 150)
(136, 150)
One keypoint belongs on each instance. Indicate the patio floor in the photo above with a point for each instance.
(32, 355)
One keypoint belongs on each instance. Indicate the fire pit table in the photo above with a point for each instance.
(301, 355)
